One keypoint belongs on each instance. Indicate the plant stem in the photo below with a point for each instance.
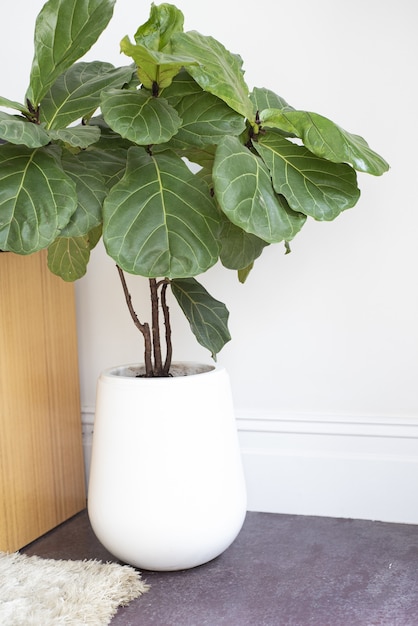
(144, 328)
(166, 314)
(156, 340)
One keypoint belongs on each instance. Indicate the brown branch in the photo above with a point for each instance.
(166, 313)
(156, 340)
(143, 328)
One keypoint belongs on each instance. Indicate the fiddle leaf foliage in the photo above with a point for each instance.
(326, 139)
(76, 93)
(171, 158)
(19, 130)
(208, 317)
(64, 32)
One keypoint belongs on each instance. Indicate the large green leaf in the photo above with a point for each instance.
(76, 93)
(76, 136)
(19, 130)
(65, 30)
(310, 184)
(160, 220)
(208, 318)
(139, 116)
(206, 119)
(37, 198)
(327, 140)
(91, 192)
(244, 191)
(218, 71)
(238, 248)
(68, 257)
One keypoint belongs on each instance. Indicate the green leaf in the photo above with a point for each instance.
(76, 136)
(110, 163)
(37, 198)
(77, 92)
(18, 130)
(218, 71)
(204, 157)
(244, 273)
(206, 119)
(311, 185)
(68, 257)
(208, 318)
(266, 99)
(154, 68)
(139, 116)
(245, 194)
(327, 140)
(65, 30)
(181, 86)
(108, 155)
(94, 236)
(152, 51)
(163, 22)
(205, 175)
(238, 248)
(11, 104)
(91, 192)
(160, 220)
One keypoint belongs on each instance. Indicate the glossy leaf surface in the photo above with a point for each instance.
(208, 318)
(91, 192)
(156, 33)
(238, 248)
(218, 71)
(18, 130)
(327, 140)
(182, 85)
(37, 199)
(205, 120)
(244, 191)
(12, 104)
(139, 116)
(110, 163)
(311, 185)
(152, 51)
(266, 99)
(159, 220)
(76, 136)
(154, 67)
(65, 30)
(76, 93)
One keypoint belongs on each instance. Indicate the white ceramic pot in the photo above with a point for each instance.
(166, 488)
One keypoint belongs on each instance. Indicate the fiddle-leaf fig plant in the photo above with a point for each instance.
(170, 158)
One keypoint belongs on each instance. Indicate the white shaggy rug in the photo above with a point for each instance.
(46, 592)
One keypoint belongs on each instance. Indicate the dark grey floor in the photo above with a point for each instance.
(282, 570)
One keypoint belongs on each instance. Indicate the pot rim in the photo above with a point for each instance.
(179, 370)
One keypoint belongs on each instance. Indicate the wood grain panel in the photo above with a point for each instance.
(41, 459)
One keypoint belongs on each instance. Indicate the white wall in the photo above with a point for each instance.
(330, 331)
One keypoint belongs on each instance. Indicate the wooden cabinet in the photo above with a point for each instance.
(41, 457)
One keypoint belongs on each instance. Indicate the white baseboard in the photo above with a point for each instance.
(360, 467)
